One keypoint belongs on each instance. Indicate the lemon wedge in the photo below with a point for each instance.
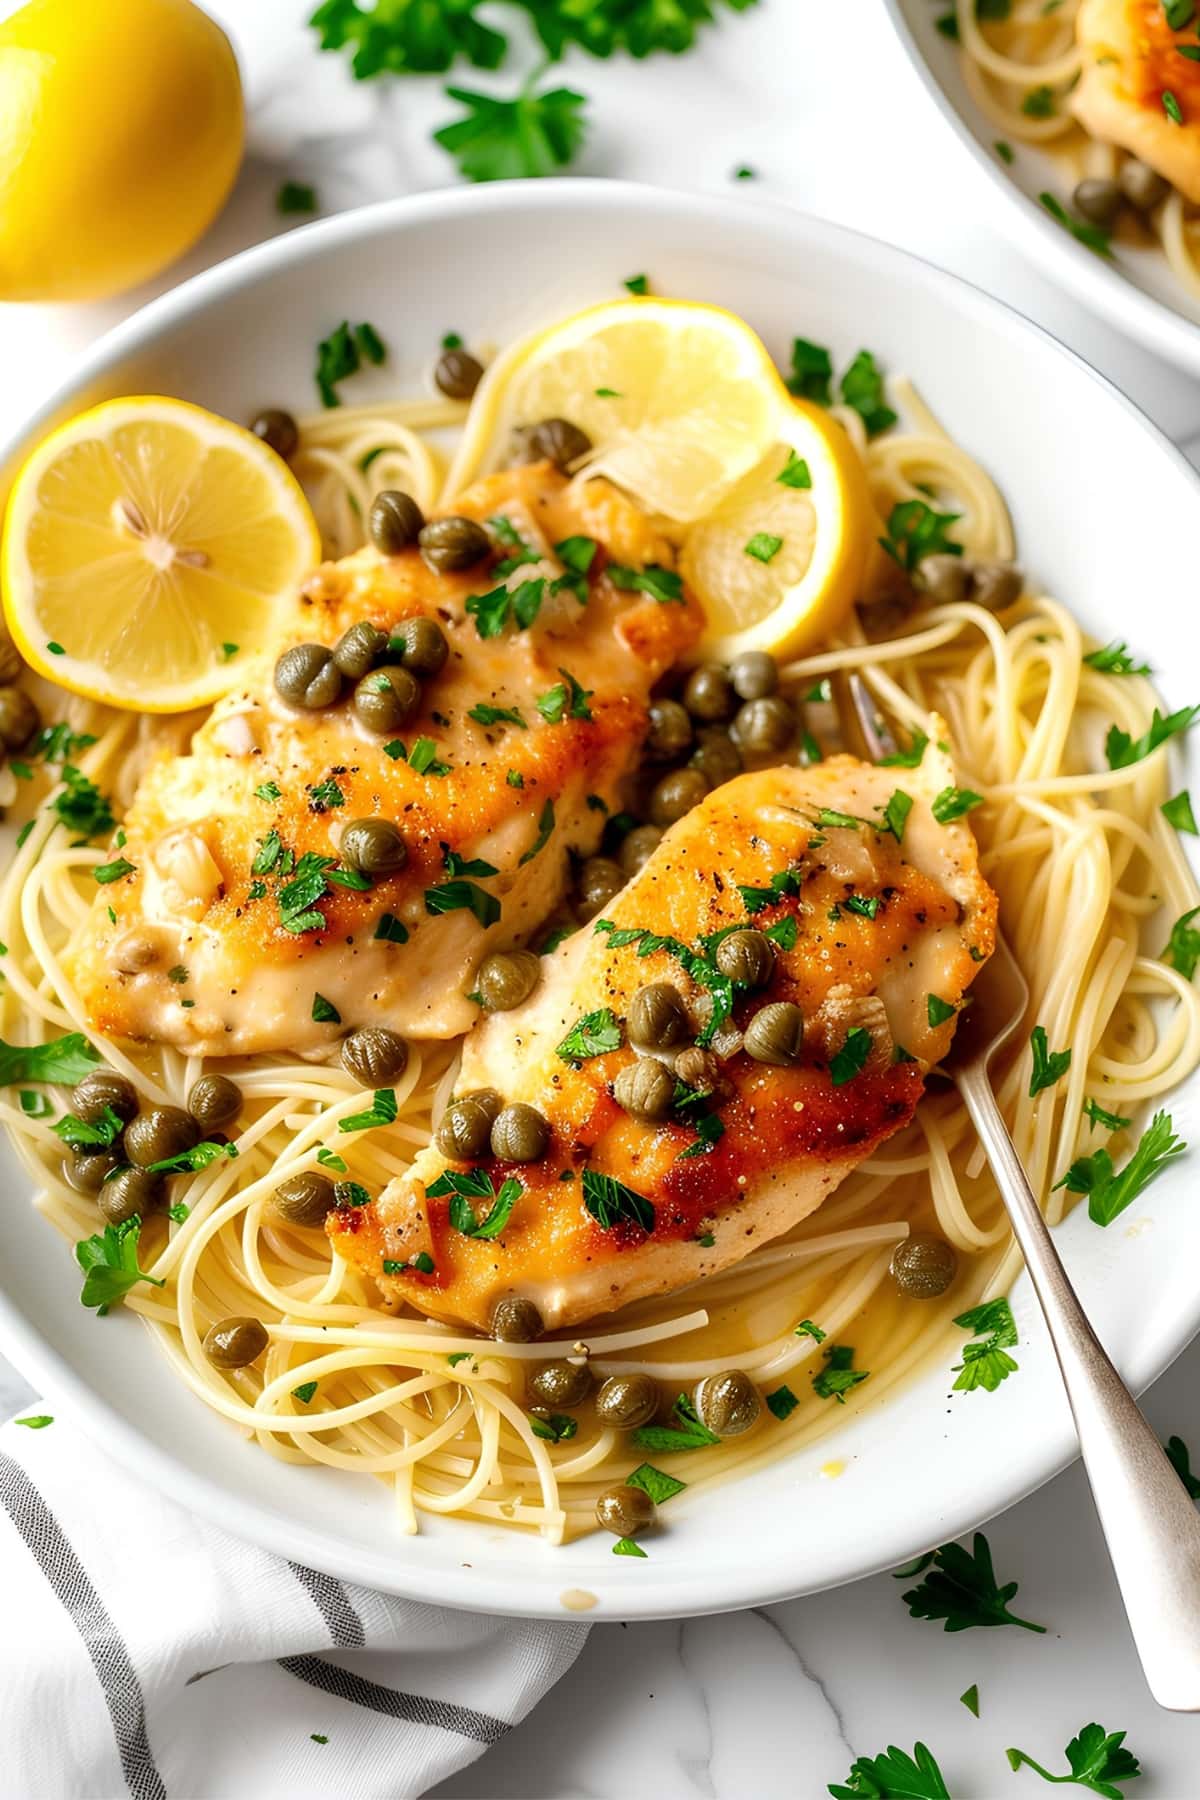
(780, 559)
(148, 550)
(679, 399)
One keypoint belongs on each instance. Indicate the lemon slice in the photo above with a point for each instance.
(780, 560)
(680, 400)
(149, 548)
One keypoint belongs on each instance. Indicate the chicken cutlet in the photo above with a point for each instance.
(1140, 87)
(244, 924)
(769, 1064)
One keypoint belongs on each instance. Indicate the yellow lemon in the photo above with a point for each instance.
(149, 548)
(121, 131)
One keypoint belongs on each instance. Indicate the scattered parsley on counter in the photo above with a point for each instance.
(971, 1700)
(36, 1421)
(637, 284)
(960, 1589)
(1097, 1761)
(109, 1262)
(893, 1775)
(499, 140)
(1049, 1066)
(296, 197)
(1180, 1460)
(1109, 1193)
(986, 1362)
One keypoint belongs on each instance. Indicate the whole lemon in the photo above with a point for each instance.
(121, 132)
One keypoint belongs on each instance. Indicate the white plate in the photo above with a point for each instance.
(1134, 289)
(1106, 515)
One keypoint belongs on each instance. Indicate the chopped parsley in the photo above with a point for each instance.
(110, 1266)
(325, 795)
(784, 881)
(105, 873)
(851, 1058)
(350, 1193)
(515, 779)
(1115, 659)
(1097, 1760)
(1182, 949)
(684, 1432)
(555, 1428)
(81, 807)
(498, 140)
(1097, 1116)
(986, 1362)
(566, 699)
(1039, 102)
(812, 372)
(95, 1134)
(304, 1392)
(544, 832)
(1109, 1193)
(1174, 112)
(483, 714)
(341, 355)
(1094, 237)
(660, 584)
(835, 1380)
(960, 1588)
(782, 1402)
(953, 802)
(795, 472)
(324, 1012)
(628, 1547)
(655, 1482)
(267, 790)
(938, 1011)
(463, 896)
(329, 1159)
(1178, 812)
(476, 1184)
(894, 1772)
(915, 530)
(862, 388)
(391, 930)
(970, 1699)
(610, 1203)
(1003, 150)
(637, 284)
(296, 197)
(595, 1034)
(764, 546)
(910, 758)
(1049, 1065)
(36, 1421)
(382, 1111)
(806, 1328)
(190, 1162)
(1122, 750)
(422, 1262)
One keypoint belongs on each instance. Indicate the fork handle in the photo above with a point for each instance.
(1150, 1524)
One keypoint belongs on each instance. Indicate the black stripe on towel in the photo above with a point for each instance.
(416, 1708)
(333, 1603)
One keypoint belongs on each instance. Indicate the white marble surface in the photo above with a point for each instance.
(814, 95)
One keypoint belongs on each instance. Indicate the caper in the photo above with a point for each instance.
(754, 674)
(1141, 185)
(520, 1134)
(776, 1034)
(19, 718)
(158, 1133)
(708, 693)
(625, 1511)
(508, 978)
(923, 1266)
(307, 676)
(516, 1320)
(1098, 199)
(765, 727)
(375, 1056)
(944, 577)
(85, 1170)
(466, 1125)
(670, 730)
(600, 879)
(747, 957)
(10, 659)
(638, 846)
(359, 649)
(676, 794)
(658, 1017)
(396, 521)
(560, 1383)
(645, 1089)
(716, 755)
(698, 1069)
(551, 440)
(214, 1101)
(453, 543)
(727, 1403)
(458, 374)
(136, 951)
(421, 645)
(995, 585)
(627, 1401)
(386, 698)
(278, 430)
(235, 1342)
(131, 1193)
(373, 846)
(305, 1199)
(101, 1089)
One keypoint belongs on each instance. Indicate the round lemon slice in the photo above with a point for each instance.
(780, 560)
(680, 400)
(149, 549)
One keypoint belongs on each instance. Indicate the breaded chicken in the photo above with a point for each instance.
(1132, 59)
(236, 930)
(872, 906)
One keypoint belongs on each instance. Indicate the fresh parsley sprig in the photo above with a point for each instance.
(960, 1589)
(110, 1266)
(1049, 1066)
(1110, 1192)
(986, 1362)
(1097, 1759)
(64, 1060)
(893, 1775)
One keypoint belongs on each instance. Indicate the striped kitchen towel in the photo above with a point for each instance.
(144, 1652)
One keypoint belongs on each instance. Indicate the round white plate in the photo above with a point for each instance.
(1106, 513)
(1134, 289)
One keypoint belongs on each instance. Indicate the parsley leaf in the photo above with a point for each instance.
(986, 1362)
(193, 1160)
(1182, 948)
(1178, 812)
(1093, 236)
(850, 1059)
(295, 197)
(65, 1060)
(910, 758)
(463, 896)
(566, 699)
(684, 1432)
(1049, 1066)
(915, 530)
(324, 1012)
(81, 807)
(477, 1184)
(110, 1264)
(938, 1011)
(835, 1380)
(655, 1482)
(544, 831)
(782, 1402)
(340, 355)
(406, 37)
(304, 1392)
(953, 802)
(97, 1134)
(893, 1775)
(1122, 750)
(1181, 1462)
(1097, 1761)
(595, 1034)
(660, 584)
(961, 1589)
(554, 1427)
(381, 1112)
(1115, 659)
(1098, 1116)
(1110, 1193)
(499, 140)
(795, 472)
(764, 546)
(812, 372)
(862, 388)
(609, 1201)
(484, 714)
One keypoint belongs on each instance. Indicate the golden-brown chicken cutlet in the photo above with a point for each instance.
(1140, 87)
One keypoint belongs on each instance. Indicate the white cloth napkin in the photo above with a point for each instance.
(145, 1653)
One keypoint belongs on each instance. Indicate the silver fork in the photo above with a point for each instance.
(1150, 1524)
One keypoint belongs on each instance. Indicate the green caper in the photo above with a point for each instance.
(645, 1089)
(776, 1034)
(516, 1320)
(551, 440)
(307, 676)
(453, 543)
(676, 794)
(396, 521)
(716, 756)
(627, 1401)
(727, 1403)
(359, 648)
(373, 846)
(234, 1343)
(1141, 185)
(305, 1199)
(19, 718)
(754, 674)
(508, 978)
(625, 1511)
(386, 699)
(158, 1133)
(214, 1101)
(465, 1128)
(708, 693)
(101, 1089)
(658, 1017)
(560, 1383)
(747, 957)
(923, 1266)
(944, 577)
(1098, 199)
(136, 951)
(421, 645)
(670, 730)
(458, 374)
(10, 659)
(995, 585)
(130, 1193)
(520, 1134)
(278, 430)
(765, 727)
(600, 879)
(699, 1069)
(375, 1056)
(85, 1171)
(638, 846)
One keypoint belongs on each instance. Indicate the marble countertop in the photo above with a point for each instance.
(816, 97)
